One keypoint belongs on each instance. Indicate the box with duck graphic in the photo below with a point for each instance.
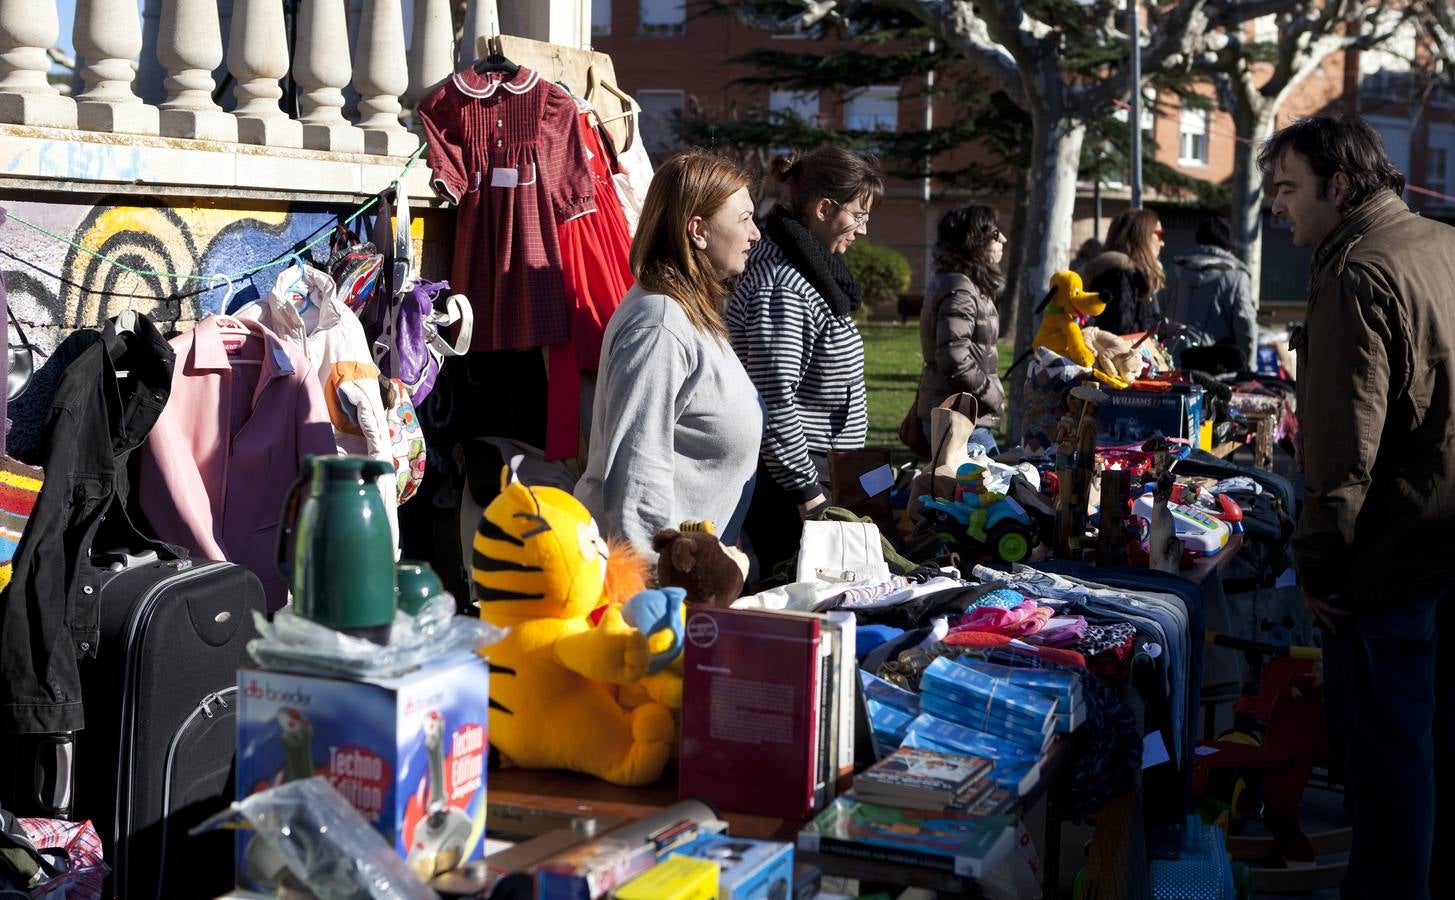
(409, 753)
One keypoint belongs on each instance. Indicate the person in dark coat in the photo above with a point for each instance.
(959, 324)
(1210, 292)
(1128, 273)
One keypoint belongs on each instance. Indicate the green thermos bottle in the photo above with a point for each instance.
(335, 546)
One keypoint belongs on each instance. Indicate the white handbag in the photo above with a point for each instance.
(841, 551)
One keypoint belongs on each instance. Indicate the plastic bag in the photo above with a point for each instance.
(299, 645)
(83, 873)
(324, 842)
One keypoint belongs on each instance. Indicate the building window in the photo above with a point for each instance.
(875, 108)
(1148, 116)
(1436, 165)
(803, 104)
(1193, 142)
(1440, 155)
(1265, 29)
(658, 119)
(1395, 135)
(1384, 72)
(600, 18)
(663, 17)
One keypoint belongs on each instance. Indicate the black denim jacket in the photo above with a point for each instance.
(107, 402)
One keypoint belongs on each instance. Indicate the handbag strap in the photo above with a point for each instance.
(14, 322)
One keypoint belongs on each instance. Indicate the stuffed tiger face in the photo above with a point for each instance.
(537, 555)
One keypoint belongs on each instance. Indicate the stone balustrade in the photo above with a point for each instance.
(163, 80)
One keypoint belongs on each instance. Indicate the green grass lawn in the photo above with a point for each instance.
(892, 365)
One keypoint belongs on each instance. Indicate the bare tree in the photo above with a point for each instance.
(1036, 51)
(1254, 78)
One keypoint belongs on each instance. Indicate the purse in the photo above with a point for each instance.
(21, 359)
(911, 434)
(840, 551)
(847, 471)
(408, 332)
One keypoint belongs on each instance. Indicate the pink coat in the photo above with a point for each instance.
(218, 464)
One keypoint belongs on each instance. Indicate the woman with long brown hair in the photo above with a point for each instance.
(677, 423)
(1128, 273)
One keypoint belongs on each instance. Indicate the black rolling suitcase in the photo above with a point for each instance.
(157, 754)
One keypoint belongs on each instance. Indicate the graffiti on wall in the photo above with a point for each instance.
(55, 288)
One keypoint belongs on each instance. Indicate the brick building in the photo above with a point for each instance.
(674, 60)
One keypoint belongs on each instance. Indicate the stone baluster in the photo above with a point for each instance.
(107, 36)
(482, 18)
(189, 44)
(257, 56)
(431, 48)
(381, 75)
(27, 29)
(321, 67)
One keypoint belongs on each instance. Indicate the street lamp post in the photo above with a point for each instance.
(1134, 35)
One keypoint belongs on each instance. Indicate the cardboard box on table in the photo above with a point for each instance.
(751, 870)
(1130, 416)
(409, 753)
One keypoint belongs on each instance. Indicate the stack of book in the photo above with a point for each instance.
(966, 696)
(1059, 684)
(1015, 768)
(912, 778)
(768, 709)
(890, 708)
(968, 845)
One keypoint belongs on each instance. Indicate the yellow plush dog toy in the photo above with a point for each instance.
(1066, 306)
(540, 568)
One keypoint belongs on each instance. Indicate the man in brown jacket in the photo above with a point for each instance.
(1375, 544)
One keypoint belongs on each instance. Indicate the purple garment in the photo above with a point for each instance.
(1061, 631)
(402, 350)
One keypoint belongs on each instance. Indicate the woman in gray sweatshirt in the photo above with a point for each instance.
(677, 423)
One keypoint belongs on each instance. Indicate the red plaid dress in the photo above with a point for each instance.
(510, 154)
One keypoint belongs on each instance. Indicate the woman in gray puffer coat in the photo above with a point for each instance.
(959, 323)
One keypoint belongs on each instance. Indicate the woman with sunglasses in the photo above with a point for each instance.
(1128, 273)
(790, 324)
(959, 324)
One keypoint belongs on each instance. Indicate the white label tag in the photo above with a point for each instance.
(877, 481)
(1154, 750)
(504, 178)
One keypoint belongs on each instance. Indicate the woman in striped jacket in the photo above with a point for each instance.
(791, 325)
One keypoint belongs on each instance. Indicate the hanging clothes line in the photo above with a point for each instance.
(214, 277)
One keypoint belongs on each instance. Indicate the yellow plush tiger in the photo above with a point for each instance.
(540, 568)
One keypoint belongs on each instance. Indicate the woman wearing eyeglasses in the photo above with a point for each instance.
(790, 324)
(1128, 273)
(959, 324)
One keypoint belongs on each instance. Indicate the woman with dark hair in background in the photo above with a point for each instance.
(1128, 273)
(791, 325)
(959, 324)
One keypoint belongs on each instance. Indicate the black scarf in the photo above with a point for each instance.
(825, 271)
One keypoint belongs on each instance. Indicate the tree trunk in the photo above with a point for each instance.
(1009, 308)
(1051, 201)
(1253, 125)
